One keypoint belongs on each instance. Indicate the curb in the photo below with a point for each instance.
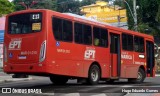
(16, 79)
(1, 81)
(1, 69)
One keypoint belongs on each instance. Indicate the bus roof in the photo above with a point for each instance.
(108, 26)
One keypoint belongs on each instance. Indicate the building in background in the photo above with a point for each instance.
(104, 12)
(2, 27)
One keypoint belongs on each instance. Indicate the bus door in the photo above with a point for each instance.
(150, 57)
(115, 55)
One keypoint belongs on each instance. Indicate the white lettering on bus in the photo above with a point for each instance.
(89, 54)
(139, 63)
(126, 56)
(28, 52)
(35, 16)
(15, 44)
(63, 51)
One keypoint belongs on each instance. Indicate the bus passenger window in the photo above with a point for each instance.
(67, 30)
(13, 27)
(17, 30)
(96, 36)
(127, 42)
(26, 29)
(130, 42)
(104, 38)
(82, 34)
(87, 34)
(24, 23)
(57, 28)
(62, 29)
(138, 44)
(96, 41)
(100, 37)
(141, 41)
(124, 41)
(78, 33)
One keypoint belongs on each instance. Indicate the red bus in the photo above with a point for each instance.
(64, 46)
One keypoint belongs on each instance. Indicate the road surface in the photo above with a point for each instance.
(46, 88)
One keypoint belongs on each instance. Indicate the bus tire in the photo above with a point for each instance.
(93, 75)
(58, 80)
(140, 78)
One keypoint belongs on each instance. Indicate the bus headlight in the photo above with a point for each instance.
(42, 52)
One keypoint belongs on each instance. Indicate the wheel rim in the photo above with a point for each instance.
(139, 76)
(94, 74)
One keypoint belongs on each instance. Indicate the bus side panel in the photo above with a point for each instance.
(131, 71)
(69, 59)
(102, 57)
(50, 52)
(128, 68)
(84, 60)
(61, 58)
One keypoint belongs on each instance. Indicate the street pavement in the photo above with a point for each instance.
(8, 78)
(74, 89)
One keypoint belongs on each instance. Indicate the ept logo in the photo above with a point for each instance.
(89, 54)
(15, 44)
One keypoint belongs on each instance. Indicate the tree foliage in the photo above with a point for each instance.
(146, 16)
(158, 13)
(149, 8)
(72, 5)
(120, 3)
(68, 6)
(6, 7)
(39, 4)
(46, 4)
(130, 20)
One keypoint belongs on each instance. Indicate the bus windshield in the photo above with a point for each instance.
(25, 23)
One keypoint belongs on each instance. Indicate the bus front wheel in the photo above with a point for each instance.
(140, 78)
(58, 80)
(94, 75)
